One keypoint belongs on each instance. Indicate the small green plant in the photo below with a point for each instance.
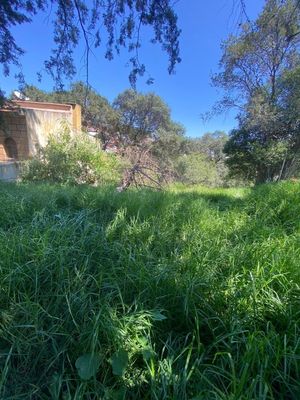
(87, 365)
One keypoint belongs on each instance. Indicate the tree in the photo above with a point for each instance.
(206, 154)
(141, 116)
(118, 22)
(289, 98)
(253, 65)
(253, 61)
(211, 144)
(196, 168)
(290, 110)
(34, 94)
(145, 131)
(168, 148)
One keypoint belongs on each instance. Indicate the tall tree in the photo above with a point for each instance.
(254, 60)
(252, 67)
(147, 136)
(141, 116)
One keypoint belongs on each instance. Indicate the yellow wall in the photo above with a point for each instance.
(77, 117)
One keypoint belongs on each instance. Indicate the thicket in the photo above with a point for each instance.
(72, 159)
(183, 294)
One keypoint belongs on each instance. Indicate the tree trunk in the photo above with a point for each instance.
(261, 176)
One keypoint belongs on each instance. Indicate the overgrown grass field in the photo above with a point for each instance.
(183, 294)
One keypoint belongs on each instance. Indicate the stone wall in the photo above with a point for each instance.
(9, 171)
(13, 137)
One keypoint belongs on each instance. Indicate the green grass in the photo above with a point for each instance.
(183, 294)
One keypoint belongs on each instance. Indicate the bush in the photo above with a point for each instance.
(73, 160)
(197, 169)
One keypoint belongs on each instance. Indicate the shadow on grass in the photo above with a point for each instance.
(83, 269)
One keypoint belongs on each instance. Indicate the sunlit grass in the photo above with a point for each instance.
(190, 293)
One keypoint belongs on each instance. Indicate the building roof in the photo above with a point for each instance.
(38, 105)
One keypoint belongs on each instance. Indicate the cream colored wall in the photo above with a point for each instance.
(76, 109)
(43, 123)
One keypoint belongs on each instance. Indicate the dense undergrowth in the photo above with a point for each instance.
(186, 294)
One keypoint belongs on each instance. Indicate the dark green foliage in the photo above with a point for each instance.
(119, 362)
(259, 76)
(141, 116)
(255, 159)
(87, 365)
(184, 294)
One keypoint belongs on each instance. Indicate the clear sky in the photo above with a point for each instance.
(189, 92)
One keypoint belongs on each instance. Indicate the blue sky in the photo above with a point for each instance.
(189, 92)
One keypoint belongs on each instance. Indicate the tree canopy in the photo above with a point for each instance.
(256, 74)
(253, 61)
(141, 116)
(138, 127)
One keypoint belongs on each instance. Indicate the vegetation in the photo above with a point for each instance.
(143, 116)
(202, 161)
(183, 294)
(259, 73)
(189, 293)
(72, 160)
(195, 168)
(145, 138)
(138, 127)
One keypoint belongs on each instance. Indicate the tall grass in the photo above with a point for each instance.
(184, 294)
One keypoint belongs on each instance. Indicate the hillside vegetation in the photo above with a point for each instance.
(181, 294)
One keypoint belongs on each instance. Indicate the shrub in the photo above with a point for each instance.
(73, 160)
(197, 169)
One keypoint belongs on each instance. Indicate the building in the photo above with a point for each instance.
(25, 126)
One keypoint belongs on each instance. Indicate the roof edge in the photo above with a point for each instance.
(39, 105)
